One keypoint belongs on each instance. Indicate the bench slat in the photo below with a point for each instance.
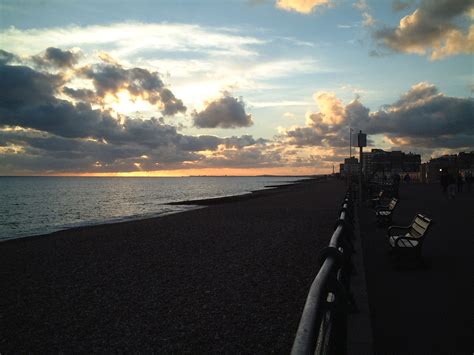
(403, 243)
(422, 222)
(418, 229)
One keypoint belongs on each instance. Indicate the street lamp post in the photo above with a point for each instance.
(361, 143)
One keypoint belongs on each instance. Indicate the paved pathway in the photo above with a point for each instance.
(429, 310)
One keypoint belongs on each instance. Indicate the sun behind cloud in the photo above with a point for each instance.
(302, 6)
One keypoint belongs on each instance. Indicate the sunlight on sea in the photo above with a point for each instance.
(39, 205)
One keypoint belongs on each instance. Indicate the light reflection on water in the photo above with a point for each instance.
(38, 205)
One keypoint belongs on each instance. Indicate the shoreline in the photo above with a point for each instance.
(198, 203)
(242, 197)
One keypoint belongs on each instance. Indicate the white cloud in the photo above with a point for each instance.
(195, 75)
(198, 80)
(280, 103)
(126, 39)
(302, 6)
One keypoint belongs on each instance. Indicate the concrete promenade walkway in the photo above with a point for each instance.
(427, 310)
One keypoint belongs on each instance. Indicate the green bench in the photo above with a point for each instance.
(384, 213)
(409, 240)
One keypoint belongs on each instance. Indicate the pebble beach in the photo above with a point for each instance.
(230, 277)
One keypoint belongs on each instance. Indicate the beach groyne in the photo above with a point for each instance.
(231, 277)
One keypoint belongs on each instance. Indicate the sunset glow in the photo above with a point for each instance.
(272, 90)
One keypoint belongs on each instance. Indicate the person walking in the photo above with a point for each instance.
(444, 180)
(451, 187)
(406, 178)
(459, 182)
(468, 178)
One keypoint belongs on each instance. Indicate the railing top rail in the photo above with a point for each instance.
(308, 328)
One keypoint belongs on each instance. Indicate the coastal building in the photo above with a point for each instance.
(454, 163)
(380, 162)
(350, 166)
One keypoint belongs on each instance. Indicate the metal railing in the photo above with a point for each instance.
(322, 328)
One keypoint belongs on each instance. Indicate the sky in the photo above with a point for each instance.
(249, 87)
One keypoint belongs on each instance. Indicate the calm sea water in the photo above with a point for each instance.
(39, 205)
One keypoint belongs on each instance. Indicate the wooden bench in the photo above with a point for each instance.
(384, 212)
(409, 239)
(378, 199)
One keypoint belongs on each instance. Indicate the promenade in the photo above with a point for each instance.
(427, 310)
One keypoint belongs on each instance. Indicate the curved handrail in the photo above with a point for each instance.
(308, 334)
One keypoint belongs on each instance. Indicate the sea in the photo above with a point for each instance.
(40, 205)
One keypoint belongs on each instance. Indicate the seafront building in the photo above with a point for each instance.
(379, 163)
(383, 163)
(455, 163)
(350, 166)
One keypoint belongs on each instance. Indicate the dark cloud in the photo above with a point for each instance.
(171, 105)
(250, 157)
(22, 86)
(140, 83)
(422, 117)
(225, 112)
(199, 143)
(7, 57)
(85, 95)
(305, 136)
(424, 113)
(46, 152)
(56, 57)
(41, 133)
(431, 28)
(243, 141)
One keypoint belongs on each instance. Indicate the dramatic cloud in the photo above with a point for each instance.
(24, 87)
(7, 57)
(422, 117)
(225, 112)
(57, 58)
(423, 112)
(81, 94)
(42, 132)
(302, 6)
(431, 29)
(140, 83)
(198, 61)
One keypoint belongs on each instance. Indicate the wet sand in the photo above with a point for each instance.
(231, 277)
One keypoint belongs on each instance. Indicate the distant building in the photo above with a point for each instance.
(380, 162)
(350, 166)
(453, 164)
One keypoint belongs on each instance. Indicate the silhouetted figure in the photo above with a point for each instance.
(468, 178)
(451, 187)
(459, 182)
(396, 184)
(444, 180)
(406, 178)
